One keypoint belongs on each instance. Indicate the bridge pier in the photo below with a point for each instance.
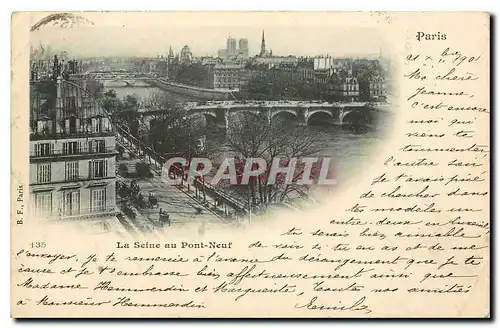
(302, 116)
(222, 119)
(340, 115)
(266, 114)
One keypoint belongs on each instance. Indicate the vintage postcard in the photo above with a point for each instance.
(250, 165)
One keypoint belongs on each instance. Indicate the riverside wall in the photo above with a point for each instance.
(191, 91)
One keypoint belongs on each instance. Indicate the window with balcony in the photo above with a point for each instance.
(72, 171)
(44, 127)
(71, 202)
(43, 204)
(71, 148)
(43, 173)
(98, 199)
(97, 146)
(105, 124)
(72, 129)
(44, 149)
(98, 169)
(96, 125)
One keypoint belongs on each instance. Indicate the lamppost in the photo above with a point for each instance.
(184, 120)
(203, 188)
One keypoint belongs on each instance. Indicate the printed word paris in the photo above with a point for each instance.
(430, 36)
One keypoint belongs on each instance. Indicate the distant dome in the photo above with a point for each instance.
(185, 54)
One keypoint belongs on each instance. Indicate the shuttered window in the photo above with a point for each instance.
(43, 204)
(98, 199)
(70, 148)
(72, 170)
(43, 172)
(98, 169)
(44, 149)
(96, 146)
(71, 202)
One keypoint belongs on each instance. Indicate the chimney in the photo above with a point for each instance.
(59, 106)
(59, 87)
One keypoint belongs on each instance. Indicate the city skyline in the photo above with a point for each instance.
(119, 41)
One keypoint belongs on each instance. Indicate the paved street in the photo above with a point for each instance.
(182, 206)
(178, 204)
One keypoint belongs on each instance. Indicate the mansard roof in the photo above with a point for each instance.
(74, 100)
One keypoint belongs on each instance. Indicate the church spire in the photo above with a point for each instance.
(263, 45)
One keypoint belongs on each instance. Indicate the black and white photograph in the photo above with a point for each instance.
(107, 114)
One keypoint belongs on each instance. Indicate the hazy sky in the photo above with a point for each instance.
(152, 40)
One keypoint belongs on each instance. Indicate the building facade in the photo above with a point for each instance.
(344, 88)
(273, 61)
(72, 153)
(377, 88)
(228, 76)
(328, 62)
(222, 54)
(209, 61)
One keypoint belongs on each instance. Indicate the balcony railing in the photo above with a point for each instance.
(76, 179)
(40, 135)
(84, 151)
(80, 214)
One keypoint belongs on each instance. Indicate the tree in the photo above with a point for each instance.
(142, 170)
(172, 131)
(258, 87)
(364, 85)
(121, 151)
(110, 101)
(193, 74)
(110, 93)
(123, 170)
(251, 137)
(130, 103)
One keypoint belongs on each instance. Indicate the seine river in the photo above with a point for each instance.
(352, 152)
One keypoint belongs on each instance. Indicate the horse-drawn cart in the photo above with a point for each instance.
(164, 218)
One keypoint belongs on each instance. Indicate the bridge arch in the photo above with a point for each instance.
(116, 83)
(323, 115)
(354, 117)
(284, 116)
(202, 112)
(202, 120)
(283, 112)
(208, 118)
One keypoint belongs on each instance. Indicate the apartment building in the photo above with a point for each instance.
(342, 88)
(228, 76)
(72, 153)
(377, 88)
